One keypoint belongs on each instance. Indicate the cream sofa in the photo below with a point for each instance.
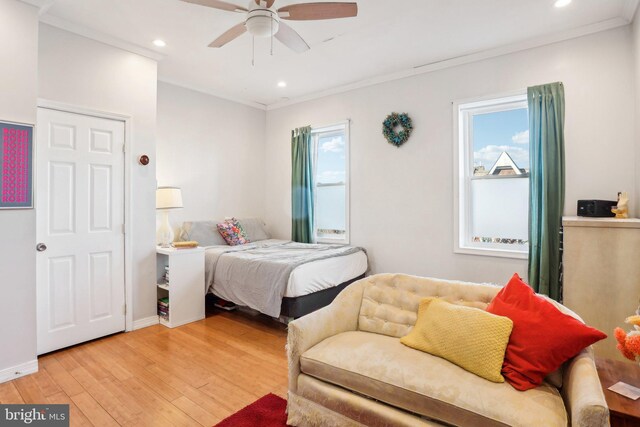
(347, 367)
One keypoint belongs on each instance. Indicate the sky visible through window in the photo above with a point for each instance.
(494, 133)
(331, 159)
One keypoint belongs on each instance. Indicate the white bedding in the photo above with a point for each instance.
(303, 279)
(324, 274)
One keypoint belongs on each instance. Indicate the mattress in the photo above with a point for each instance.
(303, 280)
(327, 273)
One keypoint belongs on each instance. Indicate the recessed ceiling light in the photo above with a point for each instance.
(282, 84)
(562, 3)
(159, 43)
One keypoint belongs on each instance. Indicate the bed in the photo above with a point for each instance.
(279, 278)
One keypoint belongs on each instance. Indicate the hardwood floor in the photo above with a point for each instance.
(197, 374)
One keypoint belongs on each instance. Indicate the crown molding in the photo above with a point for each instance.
(45, 8)
(36, 3)
(237, 100)
(42, 5)
(100, 37)
(461, 60)
(629, 10)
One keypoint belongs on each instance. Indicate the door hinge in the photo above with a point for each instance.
(124, 309)
(124, 229)
(124, 148)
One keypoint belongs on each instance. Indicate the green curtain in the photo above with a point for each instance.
(302, 206)
(546, 186)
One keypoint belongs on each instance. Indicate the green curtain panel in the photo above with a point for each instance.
(546, 186)
(302, 208)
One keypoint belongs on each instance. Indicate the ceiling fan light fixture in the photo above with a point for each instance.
(262, 23)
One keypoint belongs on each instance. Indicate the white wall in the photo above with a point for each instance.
(402, 198)
(86, 73)
(214, 150)
(636, 71)
(18, 89)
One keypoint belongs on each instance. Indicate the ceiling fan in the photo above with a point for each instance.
(263, 20)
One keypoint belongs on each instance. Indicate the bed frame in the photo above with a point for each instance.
(305, 304)
(292, 308)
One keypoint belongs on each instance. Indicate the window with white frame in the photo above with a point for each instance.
(331, 169)
(493, 176)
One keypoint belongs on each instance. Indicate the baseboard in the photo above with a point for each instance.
(18, 371)
(145, 322)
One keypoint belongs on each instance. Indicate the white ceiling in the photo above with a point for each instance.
(387, 37)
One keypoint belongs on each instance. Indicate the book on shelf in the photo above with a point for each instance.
(185, 245)
(163, 308)
(165, 277)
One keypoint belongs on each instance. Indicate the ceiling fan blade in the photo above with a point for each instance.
(229, 35)
(291, 39)
(265, 3)
(217, 4)
(313, 11)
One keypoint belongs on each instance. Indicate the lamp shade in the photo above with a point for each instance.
(168, 198)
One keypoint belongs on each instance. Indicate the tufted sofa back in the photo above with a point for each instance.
(390, 301)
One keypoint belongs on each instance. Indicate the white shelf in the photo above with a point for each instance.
(187, 292)
(174, 251)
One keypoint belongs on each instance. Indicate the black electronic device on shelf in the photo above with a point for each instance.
(596, 208)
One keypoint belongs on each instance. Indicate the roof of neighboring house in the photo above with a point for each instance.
(505, 166)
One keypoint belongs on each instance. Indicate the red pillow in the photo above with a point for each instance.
(543, 338)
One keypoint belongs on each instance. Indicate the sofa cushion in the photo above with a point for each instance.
(469, 337)
(543, 338)
(382, 368)
(390, 301)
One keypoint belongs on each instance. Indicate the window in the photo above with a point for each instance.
(332, 183)
(493, 177)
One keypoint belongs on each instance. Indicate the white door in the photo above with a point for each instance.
(80, 228)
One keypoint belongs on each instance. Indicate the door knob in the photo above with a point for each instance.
(41, 247)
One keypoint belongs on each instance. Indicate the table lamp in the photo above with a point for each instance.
(167, 198)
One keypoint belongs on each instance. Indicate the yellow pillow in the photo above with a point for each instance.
(469, 337)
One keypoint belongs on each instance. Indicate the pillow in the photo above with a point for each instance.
(469, 337)
(543, 337)
(203, 232)
(232, 232)
(254, 228)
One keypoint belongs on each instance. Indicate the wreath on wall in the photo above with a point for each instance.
(390, 129)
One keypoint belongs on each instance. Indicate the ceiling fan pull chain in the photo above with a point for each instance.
(253, 51)
(271, 35)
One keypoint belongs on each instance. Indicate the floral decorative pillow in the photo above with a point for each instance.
(232, 232)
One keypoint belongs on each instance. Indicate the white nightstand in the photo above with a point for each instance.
(185, 290)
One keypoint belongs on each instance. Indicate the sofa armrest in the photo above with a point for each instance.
(583, 394)
(339, 316)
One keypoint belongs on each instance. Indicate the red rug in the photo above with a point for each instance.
(268, 411)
